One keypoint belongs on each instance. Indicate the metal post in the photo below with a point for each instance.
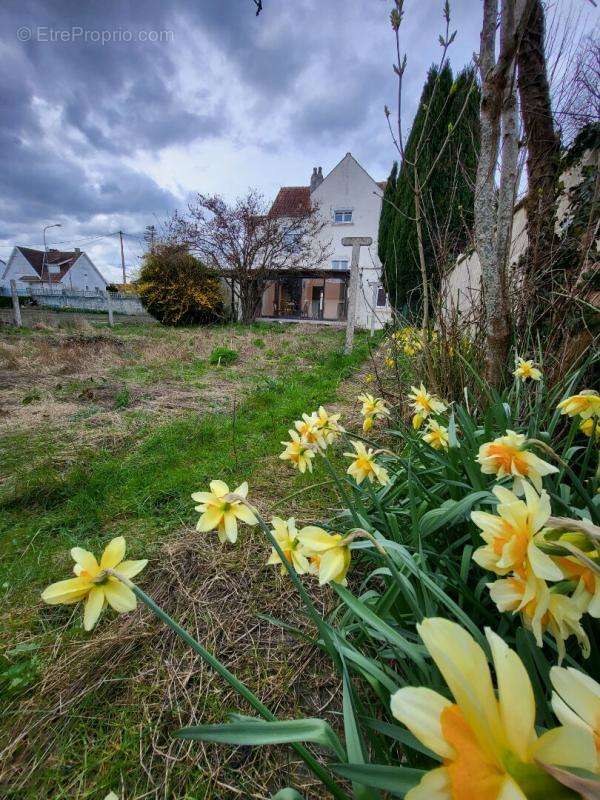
(355, 242)
(110, 309)
(15, 302)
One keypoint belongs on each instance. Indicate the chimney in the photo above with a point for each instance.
(316, 178)
(77, 251)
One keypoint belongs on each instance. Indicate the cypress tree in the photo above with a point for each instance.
(448, 194)
(387, 213)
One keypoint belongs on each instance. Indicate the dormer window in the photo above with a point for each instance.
(342, 215)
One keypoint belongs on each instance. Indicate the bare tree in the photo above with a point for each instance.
(493, 209)
(248, 245)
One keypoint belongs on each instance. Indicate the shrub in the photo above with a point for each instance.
(221, 356)
(177, 289)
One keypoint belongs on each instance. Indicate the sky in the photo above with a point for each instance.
(114, 114)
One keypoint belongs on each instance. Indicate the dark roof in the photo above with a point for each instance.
(64, 258)
(290, 201)
(381, 184)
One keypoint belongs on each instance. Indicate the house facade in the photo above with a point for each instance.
(349, 201)
(54, 269)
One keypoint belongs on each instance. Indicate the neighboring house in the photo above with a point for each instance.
(350, 202)
(35, 270)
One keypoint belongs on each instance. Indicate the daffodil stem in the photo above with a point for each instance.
(338, 483)
(575, 480)
(234, 682)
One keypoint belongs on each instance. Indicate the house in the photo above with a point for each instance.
(350, 202)
(56, 269)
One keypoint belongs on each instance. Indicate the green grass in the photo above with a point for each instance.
(140, 489)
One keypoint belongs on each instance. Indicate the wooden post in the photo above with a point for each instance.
(355, 242)
(374, 306)
(15, 302)
(110, 309)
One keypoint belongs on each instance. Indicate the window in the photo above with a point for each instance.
(381, 297)
(341, 215)
(339, 264)
(290, 241)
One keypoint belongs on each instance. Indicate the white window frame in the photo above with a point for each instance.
(344, 261)
(381, 288)
(345, 212)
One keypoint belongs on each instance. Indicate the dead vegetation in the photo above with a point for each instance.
(135, 662)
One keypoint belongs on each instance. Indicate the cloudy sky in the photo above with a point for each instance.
(115, 113)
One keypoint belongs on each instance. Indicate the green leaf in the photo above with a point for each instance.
(400, 735)
(450, 512)
(396, 780)
(259, 732)
(413, 651)
(354, 745)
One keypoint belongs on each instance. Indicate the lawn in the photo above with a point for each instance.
(106, 432)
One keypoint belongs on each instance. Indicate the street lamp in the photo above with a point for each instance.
(45, 258)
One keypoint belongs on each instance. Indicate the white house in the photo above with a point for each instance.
(56, 269)
(350, 202)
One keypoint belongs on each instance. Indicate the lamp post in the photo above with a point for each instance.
(45, 258)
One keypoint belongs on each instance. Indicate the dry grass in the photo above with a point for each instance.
(215, 594)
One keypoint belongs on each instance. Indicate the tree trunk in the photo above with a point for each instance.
(496, 312)
(542, 144)
(509, 118)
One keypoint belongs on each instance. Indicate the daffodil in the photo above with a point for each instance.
(436, 436)
(220, 512)
(424, 403)
(309, 430)
(298, 452)
(590, 426)
(586, 404)
(417, 421)
(286, 535)
(389, 362)
(542, 609)
(487, 742)
(328, 556)
(369, 377)
(373, 406)
(510, 534)
(93, 583)
(508, 456)
(364, 465)
(527, 371)
(328, 425)
(576, 701)
(576, 570)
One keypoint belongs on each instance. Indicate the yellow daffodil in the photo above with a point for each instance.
(389, 362)
(508, 456)
(542, 609)
(221, 513)
(286, 535)
(527, 371)
(298, 452)
(309, 430)
(328, 556)
(576, 570)
(373, 406)
(586, 404)
(590, 426)
(417, 421)
(364, 465)
(93, 583)
(576, 701)
(436, 436)
(425, 403)
(328, 425)
(488, 743)
(369, 377)
(510, 534)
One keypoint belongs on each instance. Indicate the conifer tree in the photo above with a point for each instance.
(387, 212)
(446, 105)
